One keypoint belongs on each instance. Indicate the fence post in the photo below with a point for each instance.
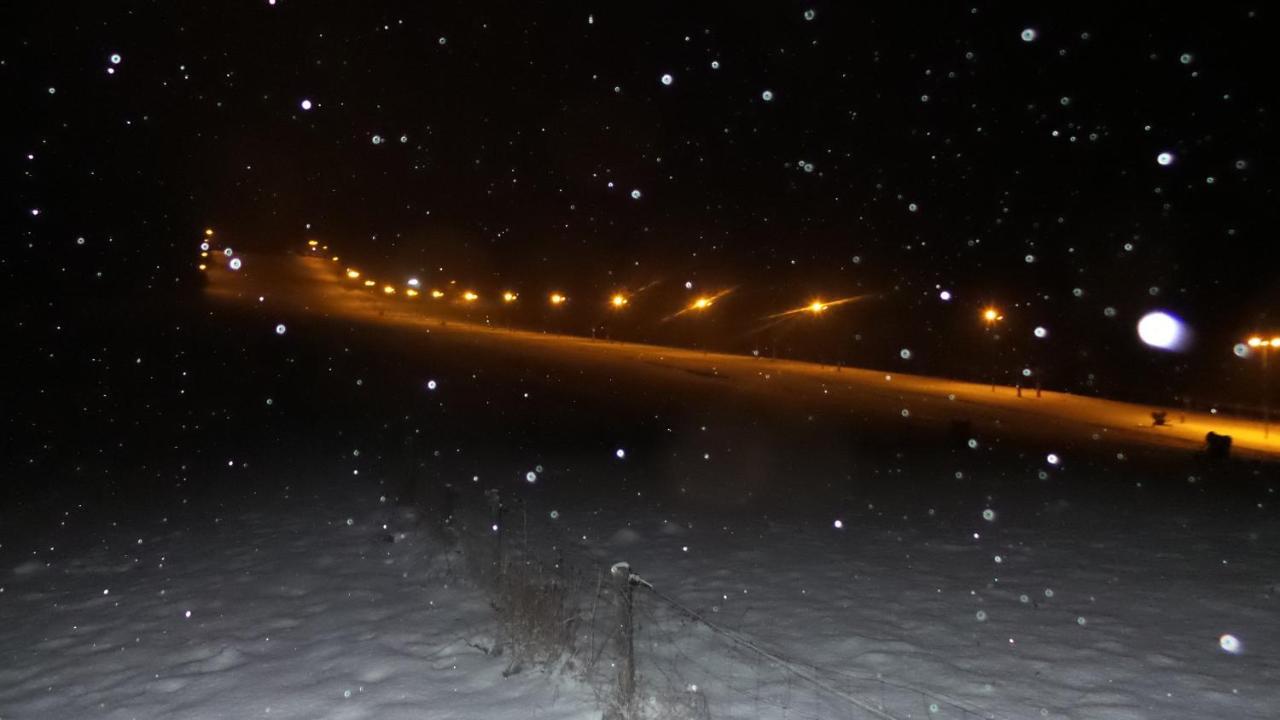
(626, 631)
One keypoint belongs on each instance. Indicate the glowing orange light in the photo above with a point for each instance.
(437, 294)
(369, 283)
(312, 243)
(509, 296)
(816, 307)
(1275, 342)
(702, 303)
(619, 300)
(353, 274)
(991, 315)
(208, 232)
(469, 296)
(411, 292)
(1255, 341)
(334, 258)
(557, 298)
(203, 266)
(204, 253)
(388, 290)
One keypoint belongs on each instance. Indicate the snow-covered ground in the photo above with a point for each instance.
(1065, 614)
(299, 608)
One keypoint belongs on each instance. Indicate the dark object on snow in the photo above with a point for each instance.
(1158, 417)
(1217, 447)
(960, 432)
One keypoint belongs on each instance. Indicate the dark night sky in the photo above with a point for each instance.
(905, 149)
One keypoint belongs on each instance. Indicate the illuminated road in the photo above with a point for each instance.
(317, 288)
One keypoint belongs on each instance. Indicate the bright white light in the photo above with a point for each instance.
(767, 95)
(281, 329)
(1165, 158)
(839, 524)
(413, 282)
(431, 384)
(635, 194)
(306, 104)
(531, 476)
(204, 247)
(1241, 350)
(1231, 644)
(1029, 35)
(1040, 332)
(234, 264)
(904, 353)
(667, 79)
(115, 58)
(227, 252)
(945, 295)
(1162, 330)
(1052, 458)
(620, 453)
(715, 64)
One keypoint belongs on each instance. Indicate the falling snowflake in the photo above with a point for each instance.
(281, 329)
(1029, 35)
(767, 95)
(1165, 158)
(667, 79)
(306, 104)
(635, 194)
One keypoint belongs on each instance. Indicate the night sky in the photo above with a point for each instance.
(1004, 153)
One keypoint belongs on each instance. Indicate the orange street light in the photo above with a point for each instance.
(619, 300)
(991, 316)
(437, 294)
(509, 297)
(203, 266)
(411, 292)
(1265, 346)
(312, 243)
(702, 303)
(389, 290)
(469, 296)
(817, 307)
(208, 232)
(353, 274)
(558, 299)
(369, 283)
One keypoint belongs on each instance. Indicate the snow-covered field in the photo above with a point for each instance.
(303, 607)
(1065, 614)
(297, 609)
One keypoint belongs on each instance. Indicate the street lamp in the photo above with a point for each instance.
(468, 296)
(991, 316)
(509, 297)
(558, 299)
(701, 303)
(817, 307)
(1265, 347)
(618, 301)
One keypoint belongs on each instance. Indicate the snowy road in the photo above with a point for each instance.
(315, 287)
